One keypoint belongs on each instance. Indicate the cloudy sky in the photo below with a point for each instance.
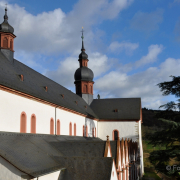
(132, 45)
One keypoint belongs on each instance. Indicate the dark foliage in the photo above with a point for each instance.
(170, 135)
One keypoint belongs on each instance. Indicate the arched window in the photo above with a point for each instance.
(115, 134)
(91, 89)
(92, 132)
(85, 88)
(70, 129)
(33, 123)
(74, 129)
(5, 42)
(78, 89)
(95, 132)
(11, 44)
(83, 131)
(86, 131)
(23, 123)
(58, 127)
(52, 126)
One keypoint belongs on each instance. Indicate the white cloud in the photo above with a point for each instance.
(143, 84)
(98, 63)
(57, 32)
(147, 21)
(123, 46)
(112, 9)
(153, 52)
(176, 1)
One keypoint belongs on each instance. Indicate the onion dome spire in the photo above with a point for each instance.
(5, 26)
(82, 49)
(84, 76)
(83, 55)
(6, 16)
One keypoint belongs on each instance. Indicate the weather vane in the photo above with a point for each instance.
(82, 34)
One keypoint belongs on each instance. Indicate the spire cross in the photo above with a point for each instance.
(82, 34)
(6, 6)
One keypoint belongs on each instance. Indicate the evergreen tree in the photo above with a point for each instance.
(169, 137)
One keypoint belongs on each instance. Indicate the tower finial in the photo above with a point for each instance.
(5, 16)
(82, 49)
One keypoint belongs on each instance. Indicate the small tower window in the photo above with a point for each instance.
(92, 132)
(58, 127)
(11, 44)
(23, 123)
(52, 126)
(5, 42)
(33, 124)
(91, 89)
(95, 132)
(85, 88)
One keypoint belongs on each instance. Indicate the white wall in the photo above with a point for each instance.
(9, 172)
(51, 176)
(65, 119)
(12, 106)
(127, 129)
(91, 124)
(113, 172)
(141, 151)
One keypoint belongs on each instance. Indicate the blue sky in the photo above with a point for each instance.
(132, 45)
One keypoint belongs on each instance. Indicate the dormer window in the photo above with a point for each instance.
(116, 110)
(76, 102)
(21, 77)
(62, 95)
(46, 88)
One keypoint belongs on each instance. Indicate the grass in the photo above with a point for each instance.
(148, 174)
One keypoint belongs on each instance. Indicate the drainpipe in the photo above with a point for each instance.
(55, 120)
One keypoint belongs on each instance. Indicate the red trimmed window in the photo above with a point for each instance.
(58, 127)
(86, 131)
(11, 44)
(92, 132)
(23, 123)
(74, 129)
(5, 42)
(33, 123)
(70, 129)
(83, 131)
(52, 126)
(115, 134)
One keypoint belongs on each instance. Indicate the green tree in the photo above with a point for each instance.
(169, 137)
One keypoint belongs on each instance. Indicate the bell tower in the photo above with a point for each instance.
(84, 77)
(7, 38)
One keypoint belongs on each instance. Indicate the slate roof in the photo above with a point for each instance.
(34, 154)
(80, 168)
(128, 108)
(34, 84)
(81, 148)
